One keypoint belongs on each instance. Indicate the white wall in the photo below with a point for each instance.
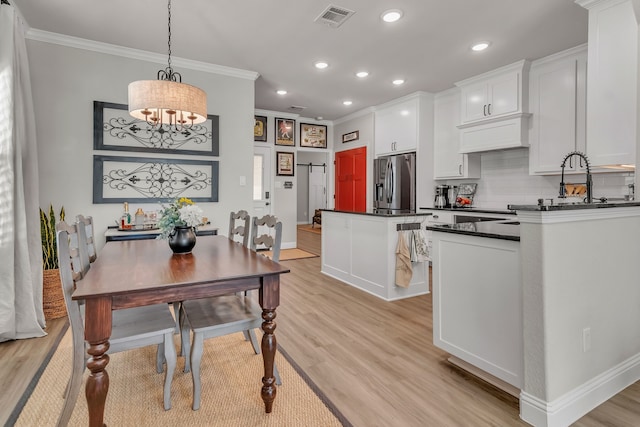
(65, 83)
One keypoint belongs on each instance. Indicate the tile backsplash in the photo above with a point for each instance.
(505, 180)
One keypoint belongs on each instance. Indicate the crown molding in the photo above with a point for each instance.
(142, 55)
(355, 115)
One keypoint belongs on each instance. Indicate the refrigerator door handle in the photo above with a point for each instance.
(390, 188)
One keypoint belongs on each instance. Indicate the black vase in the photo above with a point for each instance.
(182, 239)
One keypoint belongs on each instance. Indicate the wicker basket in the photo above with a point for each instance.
(52, 296)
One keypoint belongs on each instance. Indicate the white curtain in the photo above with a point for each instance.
(21, 314)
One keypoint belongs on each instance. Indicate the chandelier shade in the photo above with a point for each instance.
(167, 102)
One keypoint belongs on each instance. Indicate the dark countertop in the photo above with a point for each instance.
(569, 206)
(505, 230)
(382, 214)
(474, 209)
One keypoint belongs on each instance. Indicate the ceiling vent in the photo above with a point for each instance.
(296, 108)
(334, 16)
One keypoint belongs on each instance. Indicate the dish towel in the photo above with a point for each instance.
(419, 246)
(404, 272)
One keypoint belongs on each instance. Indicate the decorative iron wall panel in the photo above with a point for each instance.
(115, 129)
(145, 180)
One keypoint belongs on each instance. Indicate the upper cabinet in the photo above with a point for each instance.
(490, 98)
(612, 78)
(557, 91)
(494, 109)
(448, 162)
(397, 126)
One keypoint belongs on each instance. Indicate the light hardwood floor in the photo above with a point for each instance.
(20, 361)
(376, 362)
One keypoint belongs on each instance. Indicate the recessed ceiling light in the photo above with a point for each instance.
(319, 118)
(281, 92)
(398, 82)
(480, 46)
(321, 65)
(391, 15)
(362, 74)
(347, 103)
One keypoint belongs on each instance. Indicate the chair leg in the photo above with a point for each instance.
(277, 375)
(254, 340)
(176, 311)
(73, 387)
(170, 356)
(160, 357)
(196, 356)
(247, 336)
(185, 349)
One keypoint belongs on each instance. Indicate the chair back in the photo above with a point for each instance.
(78, 256)
(271, 236)
(86, 224)
(242, 229)
(66, 261)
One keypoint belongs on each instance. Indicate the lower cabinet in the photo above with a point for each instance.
(360, 250)
(477, 305)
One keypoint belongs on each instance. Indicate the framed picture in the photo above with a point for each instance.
(260, 128)
(314, 136)
(284, 160)
(351, 136)
(118, 179)
(114, 129)
(285, 132)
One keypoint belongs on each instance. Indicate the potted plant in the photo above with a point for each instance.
(52, 295)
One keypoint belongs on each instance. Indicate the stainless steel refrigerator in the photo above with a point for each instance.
(394, 184)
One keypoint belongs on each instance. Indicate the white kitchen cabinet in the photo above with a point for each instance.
(612, 78)
(494, 94)
(494, 108)
(557, 91)
(448, 162)
(398, 125)
(491, 98)
(477, 304)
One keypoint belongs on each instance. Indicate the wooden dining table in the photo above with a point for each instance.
(142, 272)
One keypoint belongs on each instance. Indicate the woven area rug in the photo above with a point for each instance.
(230, 373)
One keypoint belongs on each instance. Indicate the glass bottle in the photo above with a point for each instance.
(125, 220)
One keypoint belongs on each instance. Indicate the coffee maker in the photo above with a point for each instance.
(442, 197)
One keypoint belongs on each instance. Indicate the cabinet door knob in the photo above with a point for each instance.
(489, 109)
(434, 216)
(484, 110)
(460, 170)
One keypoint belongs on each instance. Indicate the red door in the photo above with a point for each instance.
(351, 180)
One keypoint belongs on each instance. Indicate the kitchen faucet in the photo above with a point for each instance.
(589, 180)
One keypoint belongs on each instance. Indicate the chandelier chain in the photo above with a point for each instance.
(169, 25)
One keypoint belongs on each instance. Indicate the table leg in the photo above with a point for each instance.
(97, 332)
(269, 346)
(269, 297)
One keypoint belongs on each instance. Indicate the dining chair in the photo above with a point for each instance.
(131, 328)
(218, 316)
(241, 230)
(87, 222)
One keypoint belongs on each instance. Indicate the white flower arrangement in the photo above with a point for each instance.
(181, 212)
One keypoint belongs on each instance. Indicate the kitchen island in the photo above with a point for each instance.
(576, 322)
(359, 248)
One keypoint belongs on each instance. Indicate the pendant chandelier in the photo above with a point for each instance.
(167, 101)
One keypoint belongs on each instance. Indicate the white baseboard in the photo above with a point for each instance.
(580, 401)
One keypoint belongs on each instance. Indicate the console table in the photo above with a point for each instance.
(113, 234)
